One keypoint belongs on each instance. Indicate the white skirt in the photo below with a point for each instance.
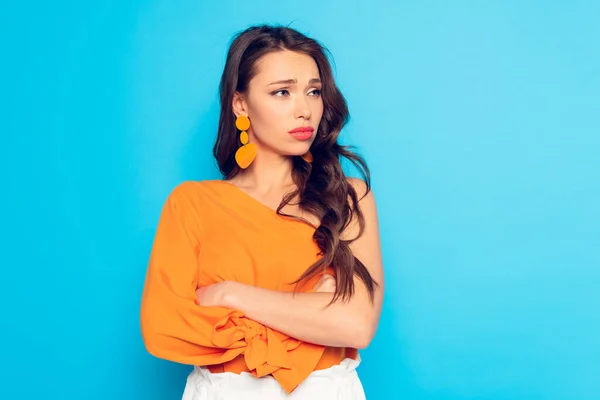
(338, 382)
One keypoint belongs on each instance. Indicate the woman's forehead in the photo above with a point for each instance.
(284, 65)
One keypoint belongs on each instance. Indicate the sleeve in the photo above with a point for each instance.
(176, 329)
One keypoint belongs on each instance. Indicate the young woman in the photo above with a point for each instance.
(270, 280)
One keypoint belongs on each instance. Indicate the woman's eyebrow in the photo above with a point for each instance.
(294, 81)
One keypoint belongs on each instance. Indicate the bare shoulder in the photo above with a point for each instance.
(364, 194)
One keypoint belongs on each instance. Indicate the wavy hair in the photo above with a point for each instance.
(322, 187)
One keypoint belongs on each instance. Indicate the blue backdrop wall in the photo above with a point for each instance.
(480, 121)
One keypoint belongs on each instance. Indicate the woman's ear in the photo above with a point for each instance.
(239, 104)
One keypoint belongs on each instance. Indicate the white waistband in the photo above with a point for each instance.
(346, 366)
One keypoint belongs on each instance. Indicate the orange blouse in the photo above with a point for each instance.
(212, 231)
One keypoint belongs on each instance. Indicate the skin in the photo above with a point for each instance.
(273, 110)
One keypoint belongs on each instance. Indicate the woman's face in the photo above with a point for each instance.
(284, 95)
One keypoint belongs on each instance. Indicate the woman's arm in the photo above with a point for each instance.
(307, 316)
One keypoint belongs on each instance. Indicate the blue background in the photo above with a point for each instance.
(480, 121)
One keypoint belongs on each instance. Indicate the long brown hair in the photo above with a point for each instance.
(321, 185)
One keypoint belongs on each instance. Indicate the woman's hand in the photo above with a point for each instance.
(213, 295)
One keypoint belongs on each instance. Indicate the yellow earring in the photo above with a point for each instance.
(308, 157)
(245, 154)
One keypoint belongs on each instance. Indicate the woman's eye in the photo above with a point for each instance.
(281, 93)
(316, 92)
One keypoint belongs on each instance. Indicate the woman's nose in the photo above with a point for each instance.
(302, 108)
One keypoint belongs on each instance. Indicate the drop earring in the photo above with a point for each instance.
(308, 157)
(245, 154)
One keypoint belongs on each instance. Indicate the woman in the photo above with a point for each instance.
(270, 280)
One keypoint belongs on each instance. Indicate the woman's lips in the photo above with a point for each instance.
(302, 133)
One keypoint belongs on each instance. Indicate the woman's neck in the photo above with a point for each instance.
(266, 175)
